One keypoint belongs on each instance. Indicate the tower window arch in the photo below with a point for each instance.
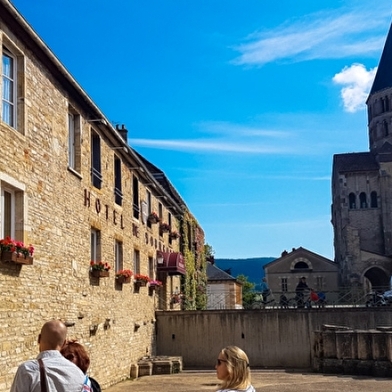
(352, 201)
(385, 128)
(362, 200)
(373, 199)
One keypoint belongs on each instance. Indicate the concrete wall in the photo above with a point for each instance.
(271, 338)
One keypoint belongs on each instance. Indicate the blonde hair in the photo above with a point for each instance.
(237, 368)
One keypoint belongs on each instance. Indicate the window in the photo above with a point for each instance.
(385, 126)
(136, 261)
(373, 199)
(8, 213)
(96, 176)
(8, 113)
(118, 196)
(149, 210)
(95, 245)
(74, 153)
(135, 187)
(362, 200)
(283, 285)
(352, 202)
(12, 208)
(118, 255)
(319, 282)
(151, 269)
(169, 221)
(160, 214)
(301, 265)
(13, 87)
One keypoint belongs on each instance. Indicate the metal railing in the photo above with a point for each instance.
(344, 297)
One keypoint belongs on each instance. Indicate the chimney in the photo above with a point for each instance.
(123, 132)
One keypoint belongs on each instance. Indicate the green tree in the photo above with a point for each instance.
(248, 291)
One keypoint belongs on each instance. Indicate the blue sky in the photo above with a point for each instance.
(241, 103)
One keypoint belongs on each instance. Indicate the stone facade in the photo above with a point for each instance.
(361, 193)
(284, 273)
(73, 188)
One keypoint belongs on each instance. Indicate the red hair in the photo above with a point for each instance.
(77, 354)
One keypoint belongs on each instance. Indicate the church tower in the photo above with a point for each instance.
(362, 192)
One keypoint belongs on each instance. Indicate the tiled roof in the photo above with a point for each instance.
(354, 162)
(215, 273)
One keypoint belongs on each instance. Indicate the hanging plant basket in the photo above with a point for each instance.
(100, 274)
(140, 283)
(17, 258)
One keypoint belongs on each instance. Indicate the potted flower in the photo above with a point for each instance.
(174, 235)
(99, 269)
(16, 251)
(154, 284)
(141, 280)
(153, 217)
(164, 227)
(124, 276)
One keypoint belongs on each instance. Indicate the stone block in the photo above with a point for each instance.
(145, 368)
(162, 367)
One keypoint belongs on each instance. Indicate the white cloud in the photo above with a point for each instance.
(357, 81)
(318, 36)
(213, 146)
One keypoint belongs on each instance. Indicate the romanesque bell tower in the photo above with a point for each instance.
(362, 192)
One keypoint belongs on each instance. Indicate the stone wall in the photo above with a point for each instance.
(343, 350)
(272, 338)
(56, 208)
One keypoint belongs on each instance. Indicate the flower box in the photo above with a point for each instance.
(123, 279)
(153, 284)
(174, 235)
(100, 274)
(164, 227)
(140, 282)
(153, 218)
(18, 258)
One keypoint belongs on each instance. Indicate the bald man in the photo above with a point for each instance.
(61, 374)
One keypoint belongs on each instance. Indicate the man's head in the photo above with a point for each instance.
(53, 335)
(303, 278)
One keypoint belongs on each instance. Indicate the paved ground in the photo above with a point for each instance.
(262, 380)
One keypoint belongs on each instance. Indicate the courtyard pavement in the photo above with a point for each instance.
(262, 380)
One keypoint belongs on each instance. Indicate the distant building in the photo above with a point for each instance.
(362, 192)
(284, 273)
(223, 290)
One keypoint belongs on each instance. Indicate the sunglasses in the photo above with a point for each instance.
(219, 361)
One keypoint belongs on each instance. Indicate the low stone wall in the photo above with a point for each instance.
(339, 349)
(272, 338)
(148, 366)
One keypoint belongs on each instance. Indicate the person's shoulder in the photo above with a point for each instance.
(32, 364)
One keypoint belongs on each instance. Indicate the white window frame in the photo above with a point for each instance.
(136, 261)
(118, 255)
(3, 213)
(12, 121)
(95, 244)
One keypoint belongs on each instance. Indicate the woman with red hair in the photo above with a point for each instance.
(76, 353)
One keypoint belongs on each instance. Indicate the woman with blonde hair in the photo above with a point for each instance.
(232, 368)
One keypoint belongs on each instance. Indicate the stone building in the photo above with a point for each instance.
(73, 188)
(223, 290)
(362, 193)
(284, 273)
